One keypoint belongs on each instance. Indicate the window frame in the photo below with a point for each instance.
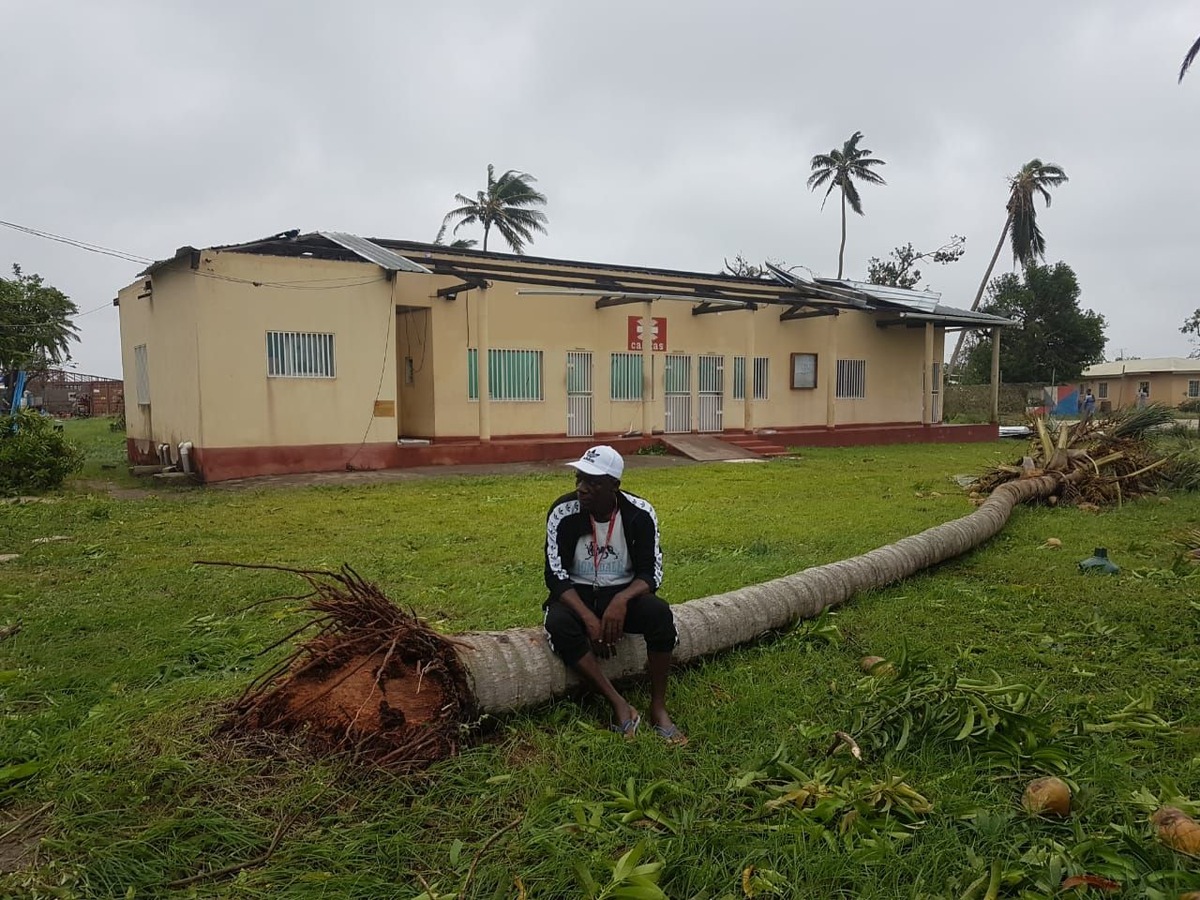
(802, 380)
(854, 375)
(141, 368)
(626, 359)
(498, 357)
(1101, 390)
(301, 354)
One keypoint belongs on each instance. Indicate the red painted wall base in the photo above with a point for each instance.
(224, 463)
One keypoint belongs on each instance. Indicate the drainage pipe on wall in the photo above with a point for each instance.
(185, 457)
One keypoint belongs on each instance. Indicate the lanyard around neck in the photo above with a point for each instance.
(596, 540)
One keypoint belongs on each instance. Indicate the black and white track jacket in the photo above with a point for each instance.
(566, 524)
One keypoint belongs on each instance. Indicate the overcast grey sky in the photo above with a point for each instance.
(664, 134)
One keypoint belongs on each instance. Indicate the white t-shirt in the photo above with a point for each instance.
(611, 564)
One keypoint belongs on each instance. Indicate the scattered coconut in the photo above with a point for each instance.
(1047, 796)
(1177, 830)
(877, 665)
(1053, 544)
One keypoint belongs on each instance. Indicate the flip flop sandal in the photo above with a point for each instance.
(671, 735)
(628, 728)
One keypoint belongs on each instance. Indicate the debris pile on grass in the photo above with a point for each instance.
(1102, 461)
(374, 681)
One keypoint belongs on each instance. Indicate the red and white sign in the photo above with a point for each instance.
(658, 340)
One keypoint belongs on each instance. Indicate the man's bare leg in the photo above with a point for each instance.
(658, 665)
(588, 668)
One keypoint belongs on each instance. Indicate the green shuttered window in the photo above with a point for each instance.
(626, 376)
(512, 375)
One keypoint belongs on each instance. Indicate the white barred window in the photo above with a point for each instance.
(851, 379)
(299, 354)
(141, 365)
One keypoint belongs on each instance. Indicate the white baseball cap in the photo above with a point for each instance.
(602, 460)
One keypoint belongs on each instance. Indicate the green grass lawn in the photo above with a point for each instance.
(128, 653)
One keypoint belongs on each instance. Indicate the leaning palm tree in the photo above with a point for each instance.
(507, 204)
(840, 168)
(1187, 60)
(1020, 224)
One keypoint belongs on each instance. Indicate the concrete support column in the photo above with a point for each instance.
(481, 368)
(748, 374)
(647, 360)
(831, 374)
(927, 381)
(995, 376)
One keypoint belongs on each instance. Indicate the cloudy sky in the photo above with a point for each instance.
(664, 134)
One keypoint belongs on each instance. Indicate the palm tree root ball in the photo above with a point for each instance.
(374, 681)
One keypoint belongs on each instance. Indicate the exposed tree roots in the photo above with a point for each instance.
(374, 681)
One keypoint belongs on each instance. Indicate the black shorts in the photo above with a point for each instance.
(648, 615)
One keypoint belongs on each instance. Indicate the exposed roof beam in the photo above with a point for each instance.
(709, 306)
(619, 300)
(467, 285)
(798, 312)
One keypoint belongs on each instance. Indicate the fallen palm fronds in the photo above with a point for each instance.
(1103, 461)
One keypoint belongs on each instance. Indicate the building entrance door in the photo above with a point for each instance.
(677, 394)
(711, 394)
(579, 393)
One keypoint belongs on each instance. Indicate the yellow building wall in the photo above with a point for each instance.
(1170, 389)
(165, 323)
(243, 406)
(556, 325)
(206, 334)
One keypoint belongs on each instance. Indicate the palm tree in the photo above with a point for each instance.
(1187, 60)
(507, 204)
(1028, 244)
(839, 168)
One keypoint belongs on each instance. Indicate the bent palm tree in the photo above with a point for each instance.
(840, 168)
(1187, 60)
(1028, 244)
(507, 204)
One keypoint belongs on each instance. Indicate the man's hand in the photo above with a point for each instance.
(612, 626)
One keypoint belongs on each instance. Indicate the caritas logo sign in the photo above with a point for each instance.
(658, 339)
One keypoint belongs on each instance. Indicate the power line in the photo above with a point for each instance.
(314, 284)
(82, 245)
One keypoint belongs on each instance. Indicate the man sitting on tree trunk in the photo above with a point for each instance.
(603, 565)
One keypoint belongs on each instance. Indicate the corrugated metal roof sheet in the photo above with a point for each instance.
(372, 252)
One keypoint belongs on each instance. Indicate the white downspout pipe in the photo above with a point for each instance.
(185, 457)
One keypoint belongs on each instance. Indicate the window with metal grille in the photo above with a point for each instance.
(1144, 387)
(299, 354)
(851, 379)
(625, 378)
(1102, 390)
(512, 375)
(1193, 389)
(141, 366)
(739, 378)
(761, 368)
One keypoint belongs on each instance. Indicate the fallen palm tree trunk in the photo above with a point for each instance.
(379, 683)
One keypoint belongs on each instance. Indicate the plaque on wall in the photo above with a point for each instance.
(804, 371)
